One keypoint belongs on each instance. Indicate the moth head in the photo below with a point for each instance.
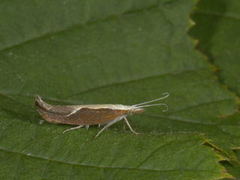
(135, 110)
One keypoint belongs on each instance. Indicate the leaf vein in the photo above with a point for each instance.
(104, 167)
(78, 25)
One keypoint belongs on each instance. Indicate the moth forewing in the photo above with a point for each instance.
(80, 114)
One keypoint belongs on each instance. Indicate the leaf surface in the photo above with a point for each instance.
(114, 155)
(122, 53)
(217, 28)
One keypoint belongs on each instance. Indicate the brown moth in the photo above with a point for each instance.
(93, 114)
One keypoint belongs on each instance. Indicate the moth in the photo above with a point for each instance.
(93, 114)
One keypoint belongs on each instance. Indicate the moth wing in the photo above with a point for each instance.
(94, 116)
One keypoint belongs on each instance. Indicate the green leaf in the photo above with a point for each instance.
(76, 52)
(233, 167)
(114, 155)
(217, 28)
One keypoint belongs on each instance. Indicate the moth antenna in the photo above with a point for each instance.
(165, 95)
(158, 104)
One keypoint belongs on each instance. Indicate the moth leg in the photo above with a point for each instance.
(87, 126)
(108, 125)
(73, 128)
(99, 125)
(131, 129)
